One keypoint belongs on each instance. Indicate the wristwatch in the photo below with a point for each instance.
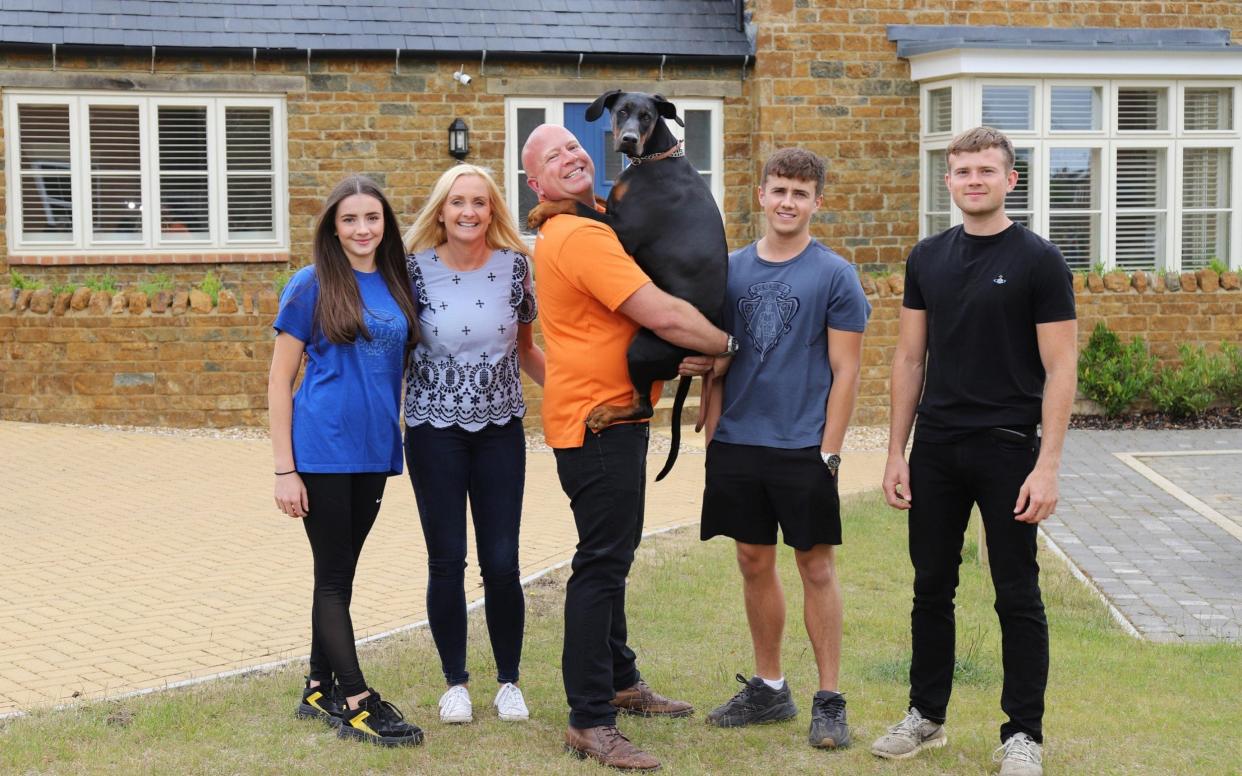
(731, 348)
(832, 461)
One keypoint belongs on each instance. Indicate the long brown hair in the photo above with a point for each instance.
(338, 313)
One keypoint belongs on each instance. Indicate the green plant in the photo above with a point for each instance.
(1228, 383)
(211, 286)
(1189, 388)
(1218, 266)
(1099, 268)
(158, 282)
(281, 280)
(16, 280)
(105, 282)
(1112, 374)
(63, 288)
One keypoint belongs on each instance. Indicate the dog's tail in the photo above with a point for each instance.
(683, 389)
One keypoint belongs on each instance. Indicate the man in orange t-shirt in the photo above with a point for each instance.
(593, 298)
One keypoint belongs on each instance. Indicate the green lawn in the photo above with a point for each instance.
(1115, 705)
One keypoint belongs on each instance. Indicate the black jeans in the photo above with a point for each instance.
(342, 510)
(987, 469)
(606, 481)
(447, 465)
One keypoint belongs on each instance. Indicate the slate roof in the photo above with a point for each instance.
(913, 39)
(673, 27)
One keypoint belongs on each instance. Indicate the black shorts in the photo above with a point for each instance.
(753, 490)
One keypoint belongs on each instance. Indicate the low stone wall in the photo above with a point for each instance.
(178, 359)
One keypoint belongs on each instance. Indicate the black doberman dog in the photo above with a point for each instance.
(666, 218)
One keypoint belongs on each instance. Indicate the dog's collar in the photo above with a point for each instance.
(668, 153)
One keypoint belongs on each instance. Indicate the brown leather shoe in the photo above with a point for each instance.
(608, 746)
(646, 702)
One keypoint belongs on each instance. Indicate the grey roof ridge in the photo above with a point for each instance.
(915, 39)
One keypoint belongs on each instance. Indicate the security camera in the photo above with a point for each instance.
(461, 77)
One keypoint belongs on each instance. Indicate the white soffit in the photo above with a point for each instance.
(1074, 63)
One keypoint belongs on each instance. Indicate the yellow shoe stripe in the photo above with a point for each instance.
(312, 700)
(359, 722)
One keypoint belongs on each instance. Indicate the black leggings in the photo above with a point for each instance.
(342, 510)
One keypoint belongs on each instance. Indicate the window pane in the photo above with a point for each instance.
(1141, 109)
(612, 160)
(116, 207)
(699, 138)
(937, 223)
(527, 200)
(1140, 240)
(937, 193)
(248, 138)
(184, 207)
(1076, 235)
(1008, 107)
(250, 207)
(527, 120)
(940, 110)
(183, 139)
(1205, 178)
(1139, 178)
(1208, 109)
(1073, 178)
(1019, 199)
(47, 207)
(44, 134)
(114, 138)
(1075, 108)
(1205, 236)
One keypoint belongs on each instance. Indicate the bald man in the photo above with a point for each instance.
(593, 298)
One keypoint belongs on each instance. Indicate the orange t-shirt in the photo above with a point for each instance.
(582, 275)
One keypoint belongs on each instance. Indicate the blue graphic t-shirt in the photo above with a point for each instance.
(777, 387)
(464, 370)
(346, 412)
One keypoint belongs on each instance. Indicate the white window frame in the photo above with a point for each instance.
(82, 241)
(554, 113)
(967, 100)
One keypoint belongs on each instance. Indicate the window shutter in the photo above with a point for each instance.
(1140, 236)
(1075, 108)
(250, 174)
(184, 195)
(1073, 195)
(1008, 107)
(1018, 201)
(940, 110)
(1206, 205)
(1208, 109)
(1141, 109)
(44, 169)
(116, 172)
(938, 200)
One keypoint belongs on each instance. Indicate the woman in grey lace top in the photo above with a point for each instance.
(463, 416)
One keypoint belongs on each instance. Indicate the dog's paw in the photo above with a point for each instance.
(545, 210)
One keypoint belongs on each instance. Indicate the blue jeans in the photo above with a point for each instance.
(605, 480)
(447, 466)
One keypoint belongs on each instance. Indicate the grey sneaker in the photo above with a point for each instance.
(754, 704)
(909, 737)
(829, 730)
(1019, 756)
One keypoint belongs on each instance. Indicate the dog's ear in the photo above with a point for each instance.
(603, 101)
(667, 109)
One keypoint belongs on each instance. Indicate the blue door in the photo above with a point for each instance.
(596, 138)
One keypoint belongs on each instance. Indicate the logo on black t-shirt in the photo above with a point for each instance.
(767, 312)
(999, 280)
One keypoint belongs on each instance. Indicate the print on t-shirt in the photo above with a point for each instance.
(767, 311)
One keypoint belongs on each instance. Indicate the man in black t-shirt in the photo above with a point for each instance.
(987, 336)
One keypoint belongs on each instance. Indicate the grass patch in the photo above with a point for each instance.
(1115, 705)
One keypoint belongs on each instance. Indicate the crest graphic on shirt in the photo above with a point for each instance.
(767, 312)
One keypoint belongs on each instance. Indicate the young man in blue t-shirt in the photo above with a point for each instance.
(776, 423)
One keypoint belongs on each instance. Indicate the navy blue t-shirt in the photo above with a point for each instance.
(346, 412)
(776, 389)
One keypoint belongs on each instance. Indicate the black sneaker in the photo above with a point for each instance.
(755, 704)
(829, 730)
(323, 702)
(378, 722)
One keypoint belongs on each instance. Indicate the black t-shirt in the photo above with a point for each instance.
(983, 297)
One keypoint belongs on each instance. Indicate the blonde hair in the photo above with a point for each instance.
(428, 231)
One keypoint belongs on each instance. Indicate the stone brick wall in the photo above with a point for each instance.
(178, 361)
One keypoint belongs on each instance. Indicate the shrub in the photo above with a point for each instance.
(1218, 266)
(63, 288)
(21, 283)
(1187, 389)
(158, 282)
(211, 286)
(1114, 375)
(104, 282)
(1228, 384)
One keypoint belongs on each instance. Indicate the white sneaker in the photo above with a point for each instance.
(509, 703)
(1019, 756)
(909, 737)
(455, 706)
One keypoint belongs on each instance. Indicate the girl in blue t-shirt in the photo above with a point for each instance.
(337, 440)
